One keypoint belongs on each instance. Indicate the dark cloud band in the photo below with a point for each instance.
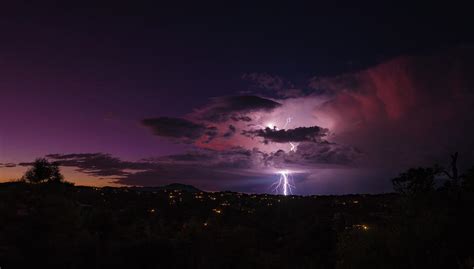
(300, 134)
(181, 129)
(234, 107)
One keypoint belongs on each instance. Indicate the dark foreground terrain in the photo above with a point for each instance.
(63, 226)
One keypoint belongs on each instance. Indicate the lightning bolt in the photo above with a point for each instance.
(293, 146)
(284, 185)
(287, 122)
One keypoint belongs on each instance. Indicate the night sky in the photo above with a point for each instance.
(224, 97)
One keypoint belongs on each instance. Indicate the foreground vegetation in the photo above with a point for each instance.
(52, 224)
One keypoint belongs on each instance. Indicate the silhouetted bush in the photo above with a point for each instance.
(43, 171)
(415, 181)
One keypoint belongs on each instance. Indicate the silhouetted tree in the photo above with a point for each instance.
(416, 180)
(43, 171)
(56, 175)
(454, 170)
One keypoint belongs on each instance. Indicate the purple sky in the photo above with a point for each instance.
(153, 95)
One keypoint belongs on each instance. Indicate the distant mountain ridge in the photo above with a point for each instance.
(172, 186)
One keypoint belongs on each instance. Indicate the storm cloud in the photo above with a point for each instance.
(230, 132)
(299, 134)
(98, 164)
(204, 168)
(180, 129)
(234, 107)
